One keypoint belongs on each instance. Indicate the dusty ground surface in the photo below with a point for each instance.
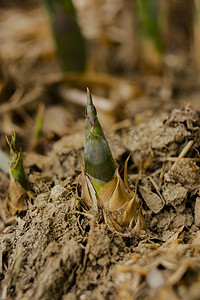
(57, 250)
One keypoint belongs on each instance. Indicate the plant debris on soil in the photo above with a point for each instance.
(54, 248)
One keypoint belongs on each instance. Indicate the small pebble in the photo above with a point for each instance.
(155, 278)
(57, 192)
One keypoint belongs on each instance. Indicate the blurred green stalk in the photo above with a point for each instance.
(67, 34)
(149, 18)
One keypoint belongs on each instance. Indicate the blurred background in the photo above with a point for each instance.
(138, 57)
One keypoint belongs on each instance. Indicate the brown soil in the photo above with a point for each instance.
(57, 250)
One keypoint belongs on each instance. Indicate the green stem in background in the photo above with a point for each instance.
(149, 22)
(99, 163)
(67, 34)
(16, 166)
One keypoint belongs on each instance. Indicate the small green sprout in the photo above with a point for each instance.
(18, 181)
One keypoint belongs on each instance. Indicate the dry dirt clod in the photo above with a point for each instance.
(175, 194)
(153, 200)
(187, 173)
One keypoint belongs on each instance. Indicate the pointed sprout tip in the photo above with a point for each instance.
(89, 98)
(91, 110)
